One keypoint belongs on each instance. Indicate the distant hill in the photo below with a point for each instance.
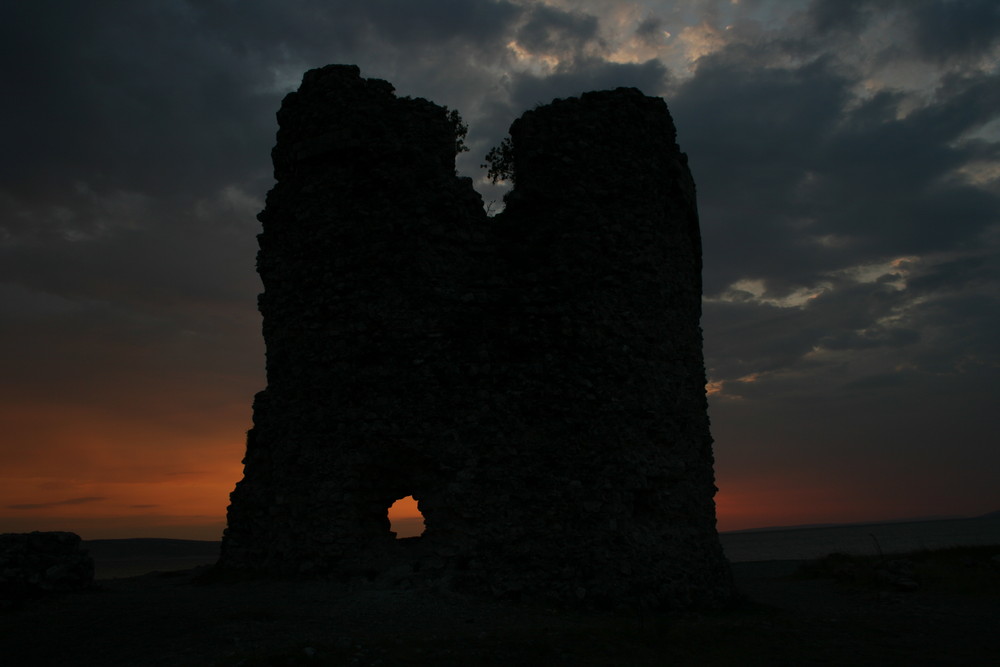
(763, 529)
(151, 547)
(131, 557)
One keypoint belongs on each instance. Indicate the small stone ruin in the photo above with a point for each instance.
(535, 379)
(40, 563)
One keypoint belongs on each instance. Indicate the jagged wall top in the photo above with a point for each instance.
(311, 123)
(558, 140)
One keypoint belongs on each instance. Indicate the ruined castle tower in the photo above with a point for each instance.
(535, 380)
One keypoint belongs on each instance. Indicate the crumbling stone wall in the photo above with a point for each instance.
(40, 563)
(534, 380)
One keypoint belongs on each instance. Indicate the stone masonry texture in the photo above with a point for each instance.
(535, 379)
(40, 563)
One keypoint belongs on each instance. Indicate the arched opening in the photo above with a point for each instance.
(405, 519)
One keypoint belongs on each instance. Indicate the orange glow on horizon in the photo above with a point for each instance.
(83, 473)
(404, 508)
(761, 501)
(405, 518)
(81, 470)
(774, 500)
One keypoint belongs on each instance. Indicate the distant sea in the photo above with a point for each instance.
(858, 539)
(128, 558)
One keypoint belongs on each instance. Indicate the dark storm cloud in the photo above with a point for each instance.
(138, 149)
(56, 503)
(551, 31)
(785, 157)
(136, 159)
(886, 182)
(125, 95)
(650, 31)
(754, 136)
(936, 331)
(827, 15)
(402, 23)
(939, 31)
(530, 90)
(167, 106)
(865, 252)
(173, 97)
(948, 30)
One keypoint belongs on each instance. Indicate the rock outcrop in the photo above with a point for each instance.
(39, 563)
(535, 380)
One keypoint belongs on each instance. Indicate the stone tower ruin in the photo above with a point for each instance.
(535, 380)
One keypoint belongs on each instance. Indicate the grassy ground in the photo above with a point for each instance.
(921, 608)
(971, 571)
(924, 608)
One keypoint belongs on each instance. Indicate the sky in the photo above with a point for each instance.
(847, 158)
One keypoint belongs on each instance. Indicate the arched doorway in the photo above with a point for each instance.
(405, 518)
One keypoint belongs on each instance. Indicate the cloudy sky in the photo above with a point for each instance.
(847, 156)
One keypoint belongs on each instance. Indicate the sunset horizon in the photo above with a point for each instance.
(210, 527)
(847, 163)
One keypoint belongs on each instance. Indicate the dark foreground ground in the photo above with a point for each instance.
(938, 608)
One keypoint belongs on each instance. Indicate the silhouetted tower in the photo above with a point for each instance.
(535, 380)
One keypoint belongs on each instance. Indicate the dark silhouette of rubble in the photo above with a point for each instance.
(41, 563)
(535, 380)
